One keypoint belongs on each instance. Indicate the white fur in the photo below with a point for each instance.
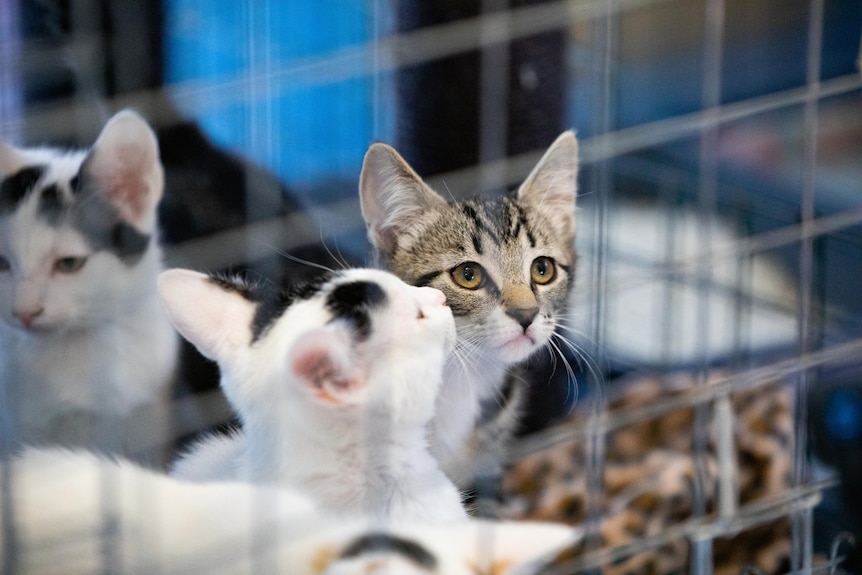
(354, 440)
(102, 348)
(75, 513)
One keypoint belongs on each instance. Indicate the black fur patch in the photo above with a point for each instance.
(385, 543)
(236, 285)
(353, 301)
(272, 306)
(51, 205)
(98, 221)
(127, 242)
(14, 188)
(75, 183)
(270, 302)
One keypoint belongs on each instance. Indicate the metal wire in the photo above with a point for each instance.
(259, 85)
(705, 528)
(742, 381)
(803, 521)
(606, 30)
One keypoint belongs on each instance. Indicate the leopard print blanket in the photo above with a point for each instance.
(648, 505)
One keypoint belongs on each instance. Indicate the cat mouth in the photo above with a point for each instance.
(39, 326)
(519, 346)
(33, 328)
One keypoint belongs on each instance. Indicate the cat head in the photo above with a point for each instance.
(76, 227)
(354, 343)
(477, 547)
(506, 265)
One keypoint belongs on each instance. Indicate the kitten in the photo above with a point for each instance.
(86, 352)
(334, 383)
(76, 513)
(506, 266)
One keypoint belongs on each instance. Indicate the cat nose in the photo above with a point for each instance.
(26, 317)
(523, 315)
(435, 296)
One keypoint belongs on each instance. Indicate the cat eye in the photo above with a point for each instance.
(69, 265)
(543, 270)
(469, 275)
(5, 266)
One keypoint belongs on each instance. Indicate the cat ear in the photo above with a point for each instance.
(10, 159)
(322, 361)
(124, 165)
(392, 197)
(215, 318)
(551, 188)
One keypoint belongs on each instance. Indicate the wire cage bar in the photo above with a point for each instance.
(719, 215)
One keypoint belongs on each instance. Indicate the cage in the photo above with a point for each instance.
(719, 225)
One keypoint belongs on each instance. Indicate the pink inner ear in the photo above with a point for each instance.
(127, 186)
(124, 175)
(329, 380)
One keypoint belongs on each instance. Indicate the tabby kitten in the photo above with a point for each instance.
(506, 266)
(86, 352)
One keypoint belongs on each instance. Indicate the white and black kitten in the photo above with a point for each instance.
(334, 383)
(75, 513)
(86, 352)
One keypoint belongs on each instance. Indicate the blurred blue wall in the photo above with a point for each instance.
(304, 133)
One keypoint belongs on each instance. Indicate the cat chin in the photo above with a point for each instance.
(16, 326)
(518, 349)
(46, 327)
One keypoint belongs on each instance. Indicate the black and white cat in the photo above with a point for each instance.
(74, 513)
(334, 383)
(506, 265)
(86, 351)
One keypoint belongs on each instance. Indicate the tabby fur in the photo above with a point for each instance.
(519, 249)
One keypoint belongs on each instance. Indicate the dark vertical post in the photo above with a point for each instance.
(440, 101)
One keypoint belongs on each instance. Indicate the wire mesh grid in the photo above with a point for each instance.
(686, 263)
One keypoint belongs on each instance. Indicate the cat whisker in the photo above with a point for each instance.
(576, 332)
(340, 259)
(580, 335)
(579, 351)
(585, 362)
(300, 260)
(448, 191)
(477, 349)
(456, 356)
(572, 390)
(464, 350)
